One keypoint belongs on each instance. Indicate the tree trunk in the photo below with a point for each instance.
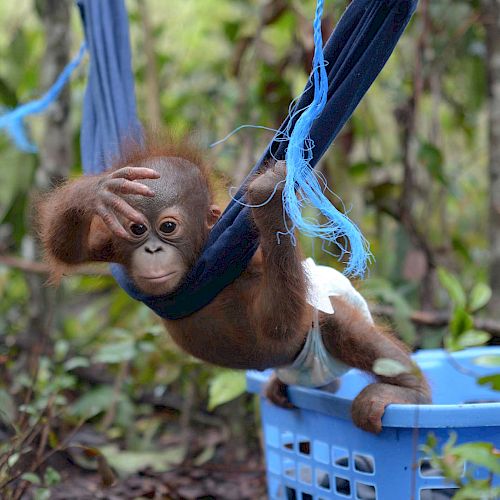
(491, 17)
(56, 150)
(152, 78)
(55, 154)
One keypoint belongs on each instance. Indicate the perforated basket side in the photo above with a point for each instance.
(315, 451)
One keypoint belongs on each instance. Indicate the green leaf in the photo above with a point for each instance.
(461, 248)
(447, 447)
(389, 367)
(432, 158)
(479, 453)
(461, 321)
(487, 360)
(51, 476)
(42, 494)
(431, 440)
(491, 380)
(53, 439)
(31, 477)
(76, 362)
(472, 338)
(61, 348)
(93, 402)
(8, 188)
(129, 462)
(7, 94)
(19, 45)
(125, 411)
(451, 284)
(12, 460)
(231, 30)
(359, 168)
(116, 352)
(7, 407)
(479, 296)
(226, 386)
(206, 455)
(477, 490)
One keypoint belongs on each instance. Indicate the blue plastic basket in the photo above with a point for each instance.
(316, 452)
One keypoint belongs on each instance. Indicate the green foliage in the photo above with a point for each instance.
(453, 287)
(8, 408)
(31, 477)
(93, 402)
(382, 290)
(462, 331)
(226, 386)
(491, 380)
(50, 478)
(487, 360)
(105, 361)
(432, 158)
(128, 462)
(479, 297)
(450, 459)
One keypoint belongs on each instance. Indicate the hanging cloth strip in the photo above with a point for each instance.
(109, 111)
(355, 53)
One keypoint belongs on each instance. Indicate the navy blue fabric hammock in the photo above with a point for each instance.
(355, 54)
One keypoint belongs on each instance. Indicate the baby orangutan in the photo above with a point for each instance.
(152, 213)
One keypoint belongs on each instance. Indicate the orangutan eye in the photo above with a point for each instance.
(168, 227)
(138, 229)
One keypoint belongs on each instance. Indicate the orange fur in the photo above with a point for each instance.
(261, 319)
(163, 145)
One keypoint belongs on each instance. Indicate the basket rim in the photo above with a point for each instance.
(397, 415)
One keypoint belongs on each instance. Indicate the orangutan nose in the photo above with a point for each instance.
(153, 248)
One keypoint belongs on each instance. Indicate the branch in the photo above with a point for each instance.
(30, 266)
(110, 414)
(437, 319)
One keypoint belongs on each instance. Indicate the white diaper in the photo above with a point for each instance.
(314, 366)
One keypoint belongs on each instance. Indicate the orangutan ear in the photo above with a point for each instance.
(214, 212)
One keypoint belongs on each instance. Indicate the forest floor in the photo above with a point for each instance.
(213, 464)
(212, 481)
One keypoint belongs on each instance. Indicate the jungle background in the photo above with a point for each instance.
(95, 401)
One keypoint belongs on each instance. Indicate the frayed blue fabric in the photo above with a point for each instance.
(355, 54)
